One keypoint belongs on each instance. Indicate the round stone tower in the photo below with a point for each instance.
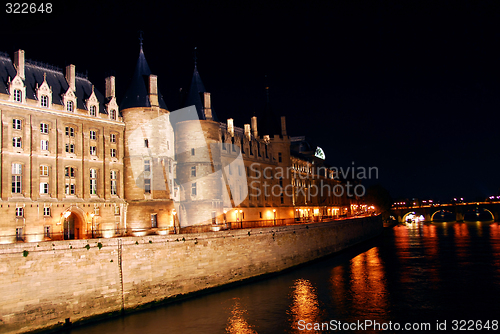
(198, 157)
(148, 155)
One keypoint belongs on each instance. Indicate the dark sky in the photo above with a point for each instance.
(411, 87)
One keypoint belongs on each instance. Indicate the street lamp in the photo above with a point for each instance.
(225, 211)
(174, 213)
(92, 217)
(241, 218)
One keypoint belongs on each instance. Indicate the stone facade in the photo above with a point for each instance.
(75, 165)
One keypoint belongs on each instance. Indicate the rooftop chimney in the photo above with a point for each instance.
(247, 132)
(207, 106)
(254, 126)
(110, 87)
(70, 76)
(19, 63)
(153, 90)
(283, 126)
(230, 126)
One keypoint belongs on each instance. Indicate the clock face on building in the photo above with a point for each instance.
(319, 153)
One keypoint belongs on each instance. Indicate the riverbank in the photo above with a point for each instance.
(50, 284)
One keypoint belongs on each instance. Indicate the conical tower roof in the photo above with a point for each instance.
(195, 95)
(137, 93)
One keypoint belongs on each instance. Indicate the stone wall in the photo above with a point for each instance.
(49, 283)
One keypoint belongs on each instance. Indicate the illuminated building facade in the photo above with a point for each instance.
(69, 169)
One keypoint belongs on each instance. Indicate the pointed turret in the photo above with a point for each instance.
(197, 96)
(143, 91)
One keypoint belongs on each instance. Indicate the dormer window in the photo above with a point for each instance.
(70, 106)
(44, 101)
(112, 114)
(93, 111)
(18, 95)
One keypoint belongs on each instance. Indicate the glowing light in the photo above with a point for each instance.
(174, 212)
(67, 214)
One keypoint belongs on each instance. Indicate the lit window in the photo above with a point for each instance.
(17, 142)
(44, 188)
(19, 212)
(93, 181)
(17, 124)
(112, 114)
(70, 106)
(93, 135)
(93, 150)
(18, 95)
(70, 131)
(44, 145)
(44, 170)
(193, 188)
(117, 210)
(113, 152)
(112, 138)
(44, 128)
(113, 185)
(44, 101)
(93, 111)
(17, 170)
(96, 210)
(193, 171)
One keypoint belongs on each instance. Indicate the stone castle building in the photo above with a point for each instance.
(76, 164)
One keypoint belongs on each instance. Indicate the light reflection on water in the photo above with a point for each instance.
(429, 272)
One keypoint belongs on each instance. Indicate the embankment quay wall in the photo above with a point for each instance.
(44, 285)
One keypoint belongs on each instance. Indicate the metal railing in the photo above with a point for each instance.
(109, 233)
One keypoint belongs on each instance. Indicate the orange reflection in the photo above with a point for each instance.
(430, 241)
(237, 323)
(495, 239)
(462, 239)
(368, 281)
(305, 305)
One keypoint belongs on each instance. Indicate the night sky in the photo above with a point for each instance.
(411, 87)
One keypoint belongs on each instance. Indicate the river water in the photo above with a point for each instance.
(428, 276)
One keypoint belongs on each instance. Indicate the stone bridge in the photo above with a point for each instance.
(457, 211)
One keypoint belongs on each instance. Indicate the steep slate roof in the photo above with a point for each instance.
(137, 93)
(55, 79)
(194, 96)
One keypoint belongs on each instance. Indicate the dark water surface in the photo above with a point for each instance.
(414, 275)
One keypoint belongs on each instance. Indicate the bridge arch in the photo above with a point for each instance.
(479, 213)
(444, 213)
